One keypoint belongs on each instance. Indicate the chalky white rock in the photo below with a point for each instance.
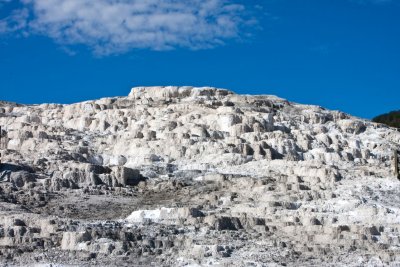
(179, 176)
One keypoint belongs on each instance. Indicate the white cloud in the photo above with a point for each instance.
(113, 26)
(16, 21)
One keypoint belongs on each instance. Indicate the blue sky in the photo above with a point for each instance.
(340, 54)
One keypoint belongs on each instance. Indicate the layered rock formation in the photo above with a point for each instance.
(201, 176)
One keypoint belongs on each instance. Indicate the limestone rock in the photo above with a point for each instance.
(186, 176)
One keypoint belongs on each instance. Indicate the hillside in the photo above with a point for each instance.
(391, 119)
(184, 176)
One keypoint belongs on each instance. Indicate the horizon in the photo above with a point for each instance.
(342, 55)
(164, 86)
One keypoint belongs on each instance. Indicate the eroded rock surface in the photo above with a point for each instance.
(183, 176)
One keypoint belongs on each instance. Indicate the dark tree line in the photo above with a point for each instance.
(392, 119)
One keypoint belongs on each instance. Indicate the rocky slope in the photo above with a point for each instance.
(182, 176)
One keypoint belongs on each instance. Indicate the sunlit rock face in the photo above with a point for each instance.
(185, 175)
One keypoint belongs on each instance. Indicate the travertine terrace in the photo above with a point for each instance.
(183, 176)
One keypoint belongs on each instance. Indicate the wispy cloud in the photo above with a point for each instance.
(114, 26)
(16, 21)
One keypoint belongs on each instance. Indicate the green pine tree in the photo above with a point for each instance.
(391, 119)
